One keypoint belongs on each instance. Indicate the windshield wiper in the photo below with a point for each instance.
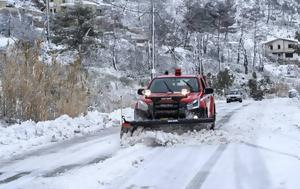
(189, 85)
(169, 89)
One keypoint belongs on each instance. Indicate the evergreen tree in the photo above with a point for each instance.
(223, 81)
(198, 18)
(75, 27)
(254, 86)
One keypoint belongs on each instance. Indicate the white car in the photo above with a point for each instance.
(234, 95)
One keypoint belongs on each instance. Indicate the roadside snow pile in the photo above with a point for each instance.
(18, 138)
(127, 112)
(160, 138)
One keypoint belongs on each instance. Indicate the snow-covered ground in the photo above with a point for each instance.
(255, 145)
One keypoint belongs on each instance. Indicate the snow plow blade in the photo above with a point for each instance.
(170, 125)
(161, 123)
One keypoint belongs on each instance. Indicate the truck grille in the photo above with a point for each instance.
(174, 110)
(167, 107)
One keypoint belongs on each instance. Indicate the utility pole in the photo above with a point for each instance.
(48, 24)
(153, 41)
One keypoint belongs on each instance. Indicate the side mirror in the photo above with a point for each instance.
(140, 91)
(208, 91)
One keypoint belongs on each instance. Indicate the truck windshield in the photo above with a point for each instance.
(163, 85)
(234, 92)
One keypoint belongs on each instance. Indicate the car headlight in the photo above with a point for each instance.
(193, 105)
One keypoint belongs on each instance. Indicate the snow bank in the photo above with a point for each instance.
(28, 135)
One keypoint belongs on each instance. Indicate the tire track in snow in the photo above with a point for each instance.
(54, 172)
(201, 176)
(226, 117)
(56, 147)
(14, 177)
(76, 143)
(271, 150)
(65, 168)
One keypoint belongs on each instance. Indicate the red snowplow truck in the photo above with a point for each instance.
(171, 102)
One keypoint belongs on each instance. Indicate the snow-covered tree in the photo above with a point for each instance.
(75, 27)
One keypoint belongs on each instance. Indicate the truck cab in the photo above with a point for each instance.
(175, 96)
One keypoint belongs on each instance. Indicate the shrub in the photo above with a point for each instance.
(38, 91)
(255, 87)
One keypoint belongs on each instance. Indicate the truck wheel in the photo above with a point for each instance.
(241, 101)
(227, 101)
(212, 127)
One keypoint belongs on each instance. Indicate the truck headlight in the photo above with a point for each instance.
(193, 105)
(147, 92)
(184, 92)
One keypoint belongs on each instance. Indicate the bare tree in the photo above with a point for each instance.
(223, 14)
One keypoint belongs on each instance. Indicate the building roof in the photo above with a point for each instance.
(284, 39)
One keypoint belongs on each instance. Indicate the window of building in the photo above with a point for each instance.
(279, 55)
(51, 0)
(278, 46)
(289, 55)
(271, 47)
(63, 1)
(290, 46)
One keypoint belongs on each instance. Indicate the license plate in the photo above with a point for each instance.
(172, 121)
(163, 118)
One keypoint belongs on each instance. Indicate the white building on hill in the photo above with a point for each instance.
(282, 49)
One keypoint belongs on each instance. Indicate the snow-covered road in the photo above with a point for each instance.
(255, 145)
